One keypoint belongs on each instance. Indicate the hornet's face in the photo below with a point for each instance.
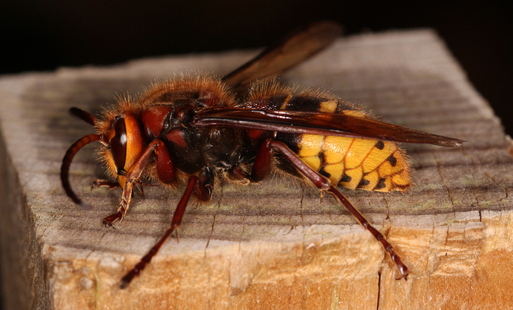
(125, 144)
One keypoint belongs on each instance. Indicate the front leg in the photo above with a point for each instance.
(111, 185)
(104, 183)
(131, 178)
(202, 188)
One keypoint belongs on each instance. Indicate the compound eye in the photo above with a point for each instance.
(118, 145)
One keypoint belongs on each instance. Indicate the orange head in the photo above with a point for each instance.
(123, 141)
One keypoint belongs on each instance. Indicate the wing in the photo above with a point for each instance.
(317, 123)
(284, 54)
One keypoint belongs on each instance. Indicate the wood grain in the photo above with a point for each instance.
(276, 245)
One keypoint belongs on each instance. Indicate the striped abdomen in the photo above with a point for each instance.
(356, 163)
(350, 162)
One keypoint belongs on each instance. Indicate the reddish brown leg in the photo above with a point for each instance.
(365, 224)
(140, 186)
(195, 185)
(131, 178)
(111, 185)
(261, 167)
(104, 183)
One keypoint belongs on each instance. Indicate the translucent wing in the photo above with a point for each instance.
(318, 123)
(284, 54)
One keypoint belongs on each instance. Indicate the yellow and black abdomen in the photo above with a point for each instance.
(372, 165)
(356, 163)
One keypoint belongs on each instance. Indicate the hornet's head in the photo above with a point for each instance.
(123, 143)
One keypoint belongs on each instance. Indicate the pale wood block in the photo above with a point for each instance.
(274, 245)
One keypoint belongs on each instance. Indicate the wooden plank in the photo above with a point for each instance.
(274, 245)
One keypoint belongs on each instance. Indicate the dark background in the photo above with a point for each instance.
(44, 35)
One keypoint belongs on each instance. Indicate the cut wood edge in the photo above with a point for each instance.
(462, 255)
